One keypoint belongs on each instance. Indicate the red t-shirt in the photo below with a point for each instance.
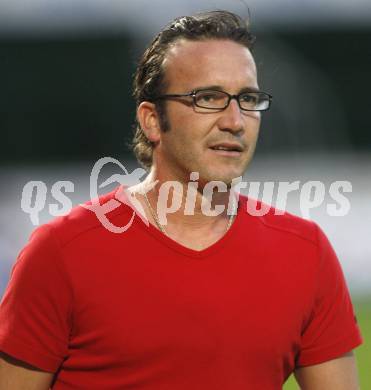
(139, 311)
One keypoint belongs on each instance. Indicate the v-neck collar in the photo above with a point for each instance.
(142, 223)
(176, 246)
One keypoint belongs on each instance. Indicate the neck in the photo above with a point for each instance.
(178, 205)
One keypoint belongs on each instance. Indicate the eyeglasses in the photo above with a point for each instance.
(219, 100)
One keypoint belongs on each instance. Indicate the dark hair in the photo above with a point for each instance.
(149, 76)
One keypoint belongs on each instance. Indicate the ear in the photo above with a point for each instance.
(148, 119)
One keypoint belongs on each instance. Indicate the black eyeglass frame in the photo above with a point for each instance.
(230, 97)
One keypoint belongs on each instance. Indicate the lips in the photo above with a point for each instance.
(227, 147)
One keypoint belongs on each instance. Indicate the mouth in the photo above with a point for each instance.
(227, 149)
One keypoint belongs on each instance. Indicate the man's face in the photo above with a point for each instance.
(193, 137)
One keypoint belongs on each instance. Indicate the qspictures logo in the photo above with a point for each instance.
(311, 195)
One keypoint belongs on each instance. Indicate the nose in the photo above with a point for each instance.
(231, 119)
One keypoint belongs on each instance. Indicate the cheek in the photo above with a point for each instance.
(181, 115)
(190, 128)
(252, 127)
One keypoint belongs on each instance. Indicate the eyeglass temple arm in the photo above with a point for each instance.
(175, 95)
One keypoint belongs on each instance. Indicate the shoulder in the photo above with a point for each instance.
(275, 222)
(50, 245)
(82, 220)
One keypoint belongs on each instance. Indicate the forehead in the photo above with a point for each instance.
(193, 64)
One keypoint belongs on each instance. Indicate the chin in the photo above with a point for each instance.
(224, 177)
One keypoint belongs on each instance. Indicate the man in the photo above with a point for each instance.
(203, 300)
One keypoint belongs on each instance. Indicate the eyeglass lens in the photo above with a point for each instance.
(218, 100)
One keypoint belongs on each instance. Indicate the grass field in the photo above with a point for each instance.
(363, 353)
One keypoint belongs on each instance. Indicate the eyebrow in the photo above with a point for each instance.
(219, 88)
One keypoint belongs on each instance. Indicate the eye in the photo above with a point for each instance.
(249, 98)
(209, 97)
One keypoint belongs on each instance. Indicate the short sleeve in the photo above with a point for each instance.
(332, 329)
(35, 312)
